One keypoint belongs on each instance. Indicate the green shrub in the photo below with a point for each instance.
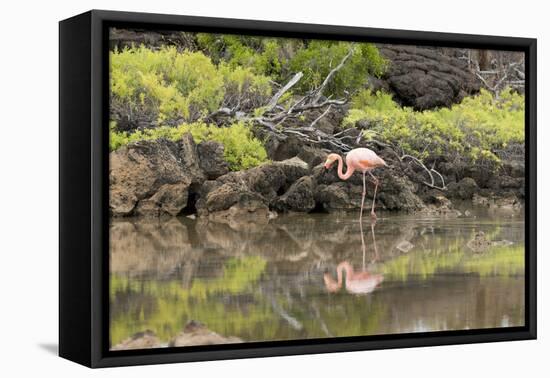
(279, 58)
(243, 88)
(172, 84)
(178, 85)
(320, 57)
(473, 129)
(241, 149)
(262, 55)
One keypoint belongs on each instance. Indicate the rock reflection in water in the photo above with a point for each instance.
(268, 281)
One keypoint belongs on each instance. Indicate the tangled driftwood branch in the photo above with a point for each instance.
(431, 172)
(508, 75)
(319, 91)
(275, 99)
(321, 116)
(496, 71)
(273, 116)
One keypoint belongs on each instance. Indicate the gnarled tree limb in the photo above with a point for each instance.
(321, 116)
(274, 115)
(430, 172)
(275, 99)
(319, 91)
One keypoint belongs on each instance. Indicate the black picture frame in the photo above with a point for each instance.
(83, 194)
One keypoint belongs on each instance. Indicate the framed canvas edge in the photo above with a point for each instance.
(101, 357)
(318, 348)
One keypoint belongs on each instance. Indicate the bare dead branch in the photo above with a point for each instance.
(275, 99)
(440, 177)
(503, 74)
(500, 82)
(319, 91)
(321, 116)
(520, 73)
(430, 173)
(274, 115)
(480, 77)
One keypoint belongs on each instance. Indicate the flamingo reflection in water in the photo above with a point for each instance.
(362, 282)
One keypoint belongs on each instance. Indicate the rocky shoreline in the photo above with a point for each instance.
(163, 178)
(194, 333)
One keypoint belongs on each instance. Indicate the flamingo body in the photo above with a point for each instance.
(363, 160)
(356, 282)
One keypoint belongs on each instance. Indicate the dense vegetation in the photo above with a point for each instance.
(242, 149)
(179, 86)
(474, 129)
(165, 92)
(279, 58)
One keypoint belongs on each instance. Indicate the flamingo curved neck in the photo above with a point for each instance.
(344, 266)
(341, 174)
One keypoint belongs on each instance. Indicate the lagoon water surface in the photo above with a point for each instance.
(280, 280)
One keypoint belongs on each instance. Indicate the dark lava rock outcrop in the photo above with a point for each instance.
(424, 77)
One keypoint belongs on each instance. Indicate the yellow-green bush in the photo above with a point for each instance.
(177, 85)
(474, 129)
(243, 88)
(241, 149)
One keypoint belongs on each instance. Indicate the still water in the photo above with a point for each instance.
(316, 275)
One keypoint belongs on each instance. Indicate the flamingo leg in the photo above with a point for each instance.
(363, 248)
(363, 198)
(376, 255)
(376, 182)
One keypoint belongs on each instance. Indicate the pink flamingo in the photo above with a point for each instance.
(356, 283)
(360, 159)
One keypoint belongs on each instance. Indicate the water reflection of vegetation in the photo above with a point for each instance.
(238, 274)
(267, 284)
(502, 261)
(166, 306)
(257, 321)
